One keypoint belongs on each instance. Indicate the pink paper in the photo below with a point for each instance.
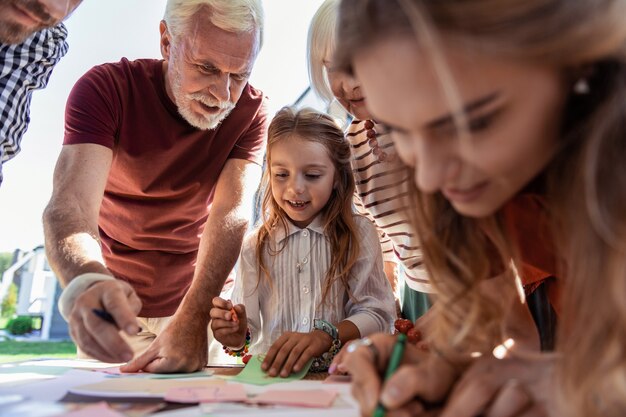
(100, 409)
(114, 370)
(338, 379)
(312, 398)
(223, 393)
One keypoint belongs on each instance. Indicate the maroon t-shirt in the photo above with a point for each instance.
(163, 174)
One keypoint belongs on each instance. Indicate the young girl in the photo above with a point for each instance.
(311, 277)
(382, 181)
(513, 115)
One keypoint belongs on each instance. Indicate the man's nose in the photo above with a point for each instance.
(57, 9)
(220, 87)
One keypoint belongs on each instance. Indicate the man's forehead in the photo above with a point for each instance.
(230, 51)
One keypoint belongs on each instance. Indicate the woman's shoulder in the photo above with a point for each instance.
(364, 225)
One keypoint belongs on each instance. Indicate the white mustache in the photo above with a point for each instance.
(207, 101)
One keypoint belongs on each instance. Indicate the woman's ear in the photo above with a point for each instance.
(578, 78)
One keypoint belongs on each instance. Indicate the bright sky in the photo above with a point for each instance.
(104, 31)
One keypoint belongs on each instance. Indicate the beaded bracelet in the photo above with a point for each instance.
(239, 352)
(321, 363)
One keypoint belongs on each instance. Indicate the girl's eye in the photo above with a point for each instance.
(313, 176)
(481, 123)
(280, 175)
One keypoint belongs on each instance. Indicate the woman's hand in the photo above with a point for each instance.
(508, 387)
(293, 350)
(421, 382)
(229, 329)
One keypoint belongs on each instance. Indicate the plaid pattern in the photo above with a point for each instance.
(24, 68)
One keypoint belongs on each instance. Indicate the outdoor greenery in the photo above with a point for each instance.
(13, 351)
(20, 325)
(6, 259)
(9, 304)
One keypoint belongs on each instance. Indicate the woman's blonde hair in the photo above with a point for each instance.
(585, 184)
(339, 225)
(230, 15)
(320, 44)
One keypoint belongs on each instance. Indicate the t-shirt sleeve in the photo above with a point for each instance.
(92, 110)
(251, 145)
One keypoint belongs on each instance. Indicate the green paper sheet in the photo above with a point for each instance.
(253, 374)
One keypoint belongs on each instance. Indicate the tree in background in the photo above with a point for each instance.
(6, 260)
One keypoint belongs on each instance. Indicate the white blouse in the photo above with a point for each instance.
(294, 298)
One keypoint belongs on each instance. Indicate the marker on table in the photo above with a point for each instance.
(104, 315)
(394, 362)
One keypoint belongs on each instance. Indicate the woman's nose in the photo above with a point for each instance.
(436, 165)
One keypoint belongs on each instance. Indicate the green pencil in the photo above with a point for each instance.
(394, 362)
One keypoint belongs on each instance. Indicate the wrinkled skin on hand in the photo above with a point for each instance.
(181, 347)
(96, 337)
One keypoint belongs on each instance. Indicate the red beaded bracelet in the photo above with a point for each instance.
(239, 352)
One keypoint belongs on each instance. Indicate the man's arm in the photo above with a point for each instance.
(73, 249)
(183, 345)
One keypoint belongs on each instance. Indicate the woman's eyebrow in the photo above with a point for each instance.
(472, 106)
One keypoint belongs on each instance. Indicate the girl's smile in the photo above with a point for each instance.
(302, 178)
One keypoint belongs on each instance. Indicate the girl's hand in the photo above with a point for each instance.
(422, 381)
(293, 350)
(504, 388)
(229, 329)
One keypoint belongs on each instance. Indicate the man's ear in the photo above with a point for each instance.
(165, 40)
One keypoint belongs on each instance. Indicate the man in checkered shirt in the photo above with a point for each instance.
(32, 41)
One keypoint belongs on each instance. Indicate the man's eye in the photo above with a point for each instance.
(239, 77)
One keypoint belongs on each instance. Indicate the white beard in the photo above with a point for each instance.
(199, 121)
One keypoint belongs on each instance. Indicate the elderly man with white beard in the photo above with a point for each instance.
(153, 188)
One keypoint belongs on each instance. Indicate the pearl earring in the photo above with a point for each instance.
(581, 86)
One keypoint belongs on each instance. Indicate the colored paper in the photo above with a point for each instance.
(312, 398)
(338, 379)
(223, 393)
(147, 388)
(100, 409)
(253, 374)
(115, 371)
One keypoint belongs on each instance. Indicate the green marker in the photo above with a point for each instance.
(394, 362)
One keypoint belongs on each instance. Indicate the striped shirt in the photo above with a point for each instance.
(294, 298)
(381, 191)
(24, 68)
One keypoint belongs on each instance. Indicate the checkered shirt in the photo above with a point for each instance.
(24, 68)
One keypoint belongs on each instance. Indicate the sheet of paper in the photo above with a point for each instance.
(147, 388)
(56, 388)
(253, 374)
(318, 398)
(115, 371)
(100, 409)
(338, 379)
(222, 393)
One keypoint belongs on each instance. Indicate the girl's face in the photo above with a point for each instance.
(513, 111)
(302, 178)
(347, 91)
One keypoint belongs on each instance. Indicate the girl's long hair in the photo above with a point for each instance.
(585, 184)
(339, 225)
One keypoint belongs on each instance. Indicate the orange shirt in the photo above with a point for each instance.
(526, 220)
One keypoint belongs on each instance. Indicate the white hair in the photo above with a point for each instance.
(321, 41)
(229, 15)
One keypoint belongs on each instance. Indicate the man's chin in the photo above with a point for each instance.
(206, 123)
(12, 34)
